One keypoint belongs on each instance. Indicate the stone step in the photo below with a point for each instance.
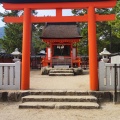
(61, 71)
(61, 74)
(59, 105)
(53, 98)
(60, 92)
(62, 68)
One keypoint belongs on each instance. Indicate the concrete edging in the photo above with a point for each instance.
(17, 95)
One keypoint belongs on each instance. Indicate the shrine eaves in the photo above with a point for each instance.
(47, 1)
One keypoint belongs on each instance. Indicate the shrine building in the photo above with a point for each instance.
(60, 38)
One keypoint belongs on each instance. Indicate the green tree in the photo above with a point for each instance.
(115, 30)
(116, 23)
(106, 36)
(37, 43)
(12, 38)
(13, 34)
(83, 44)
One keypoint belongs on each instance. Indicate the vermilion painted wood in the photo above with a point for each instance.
(59, 12)
(61, 41)
(48, 19)
(60, 19)
(92, 49)
(25, 80)
(65, 5)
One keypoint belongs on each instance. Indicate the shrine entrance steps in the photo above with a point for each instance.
(61, 72)
(59, 100)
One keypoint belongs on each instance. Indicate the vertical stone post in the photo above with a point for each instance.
(25, 82)
(93, 65)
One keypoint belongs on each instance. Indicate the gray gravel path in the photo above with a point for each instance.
(10, 111)
(38, 81)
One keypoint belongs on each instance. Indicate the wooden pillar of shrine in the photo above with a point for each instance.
(92, 49)
(51, 52)
(25, 82)
(71, 49)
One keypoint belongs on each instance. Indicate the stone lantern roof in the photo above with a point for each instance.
(16, 52)
(105, 52)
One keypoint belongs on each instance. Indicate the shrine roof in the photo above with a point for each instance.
(61, 31)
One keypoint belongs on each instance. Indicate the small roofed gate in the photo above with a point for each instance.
(27, 19)
(60, 37)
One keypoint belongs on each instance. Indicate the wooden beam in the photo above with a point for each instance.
(10, 19)
(65, 5)
(47, 19)
(61, 40)
(58, 12)
(60, 18)
(105, 17)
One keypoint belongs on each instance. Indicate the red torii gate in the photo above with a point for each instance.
(91, 18)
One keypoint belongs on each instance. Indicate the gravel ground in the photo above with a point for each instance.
(10, 110)
(38, 81)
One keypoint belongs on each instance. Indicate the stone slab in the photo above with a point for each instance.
(61, 71)
(61, 74)
(53, 98)
(59, 105)
(61, 66)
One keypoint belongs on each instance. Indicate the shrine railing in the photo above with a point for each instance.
(61, 60)
(10, 76)
(109, 78)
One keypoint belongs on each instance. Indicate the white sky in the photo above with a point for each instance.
(41, 13)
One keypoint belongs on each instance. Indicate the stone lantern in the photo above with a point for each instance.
(16, 55)
(105, 55)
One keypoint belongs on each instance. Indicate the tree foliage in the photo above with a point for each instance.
(12, 38)
(116, 23)
(83, 44)
(14, 32)
(108, 33)
(37, 43)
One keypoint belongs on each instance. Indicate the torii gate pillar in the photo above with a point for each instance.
(92, 49)
(25, 83)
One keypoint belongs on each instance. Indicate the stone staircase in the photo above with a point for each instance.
(61, 72)
(59, 100)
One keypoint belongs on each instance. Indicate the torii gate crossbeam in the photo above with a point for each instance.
(91, 18)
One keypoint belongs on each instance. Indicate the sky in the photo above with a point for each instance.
(40, 13)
